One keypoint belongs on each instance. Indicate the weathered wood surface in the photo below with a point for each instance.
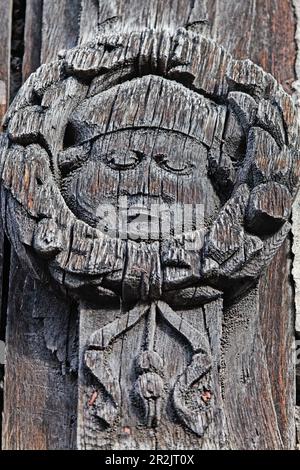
(295, 231)
(141, 392)
(5, 40)
(134, 15)
(59, 27)
(259, 36)
(264, 317)
(32, 37)
(5, 55)
(42, 412)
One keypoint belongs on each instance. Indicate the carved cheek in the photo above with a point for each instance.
(194, 189)
(89, 187)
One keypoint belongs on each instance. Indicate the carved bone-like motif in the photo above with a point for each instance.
(150, 384)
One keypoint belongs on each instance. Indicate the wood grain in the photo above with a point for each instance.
(5, 40)
(59, 27)
(40, 412)
(42, 346)
(133, 15)
(143, 369)
(258, 34)
(32, 37)
(5, 37)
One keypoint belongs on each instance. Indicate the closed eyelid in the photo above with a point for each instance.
(166, 163)
(123, 160)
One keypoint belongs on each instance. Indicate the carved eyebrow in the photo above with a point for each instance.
(75, 135)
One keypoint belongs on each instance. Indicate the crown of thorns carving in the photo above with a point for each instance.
(253, 161)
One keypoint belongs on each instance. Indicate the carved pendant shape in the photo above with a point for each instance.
(150, 381)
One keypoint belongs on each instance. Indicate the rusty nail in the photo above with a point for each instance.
(93, 398)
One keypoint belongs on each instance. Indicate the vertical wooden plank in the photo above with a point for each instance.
(89, 20)
(41, 388)
(136, 15)
(5, 41)
(277, 315)
(60, 27)
(13, 23)
(254, 30)
(247, 383)
(32, 37)
(17, 47)
(5, 38)
(258, 35)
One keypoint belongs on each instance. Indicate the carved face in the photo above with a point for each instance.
(150, 169)
(179, 123)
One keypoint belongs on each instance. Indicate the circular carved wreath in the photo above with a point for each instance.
(253, 162)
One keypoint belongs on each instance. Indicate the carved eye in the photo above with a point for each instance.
(182, 169)
(126, 160)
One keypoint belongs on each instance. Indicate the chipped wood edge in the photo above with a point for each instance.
(296, 208)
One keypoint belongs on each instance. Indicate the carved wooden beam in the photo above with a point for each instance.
(149, 176)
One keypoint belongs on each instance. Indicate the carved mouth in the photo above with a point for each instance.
(143, 224)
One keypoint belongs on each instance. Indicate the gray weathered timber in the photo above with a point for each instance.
(42, 413)
(59, 27)
(5, 55)
(117, 15)
(5, 36)
(32, 37)
(258, 35)
(40, 409)
(181, 122)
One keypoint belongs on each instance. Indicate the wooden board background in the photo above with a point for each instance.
(41, 386)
